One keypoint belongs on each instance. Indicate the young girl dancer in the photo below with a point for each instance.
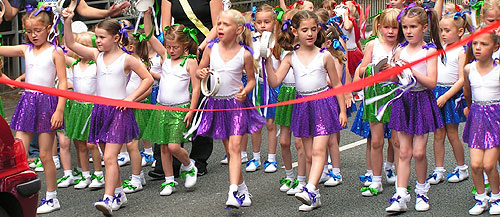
(77, 122)
(265, 20)
(290, 185)
(167, 127)
(111, 126)
(387, 31)
(38, 112)
(482, 132)
(313, 121)
(228, 57)
(448, 92)
(416, 114)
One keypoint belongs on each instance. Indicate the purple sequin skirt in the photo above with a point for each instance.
(111, 125)
(315, 118)
(416, 112)
(33, 112)
(482, 129)
(223, 124)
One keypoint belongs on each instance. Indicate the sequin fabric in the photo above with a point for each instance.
(416, 112)
(111, 125)
(2, 114)
(271, 99)
(166, 126)
(142, 117)
(77, 122)
(223, 124)
(284, 113)
(482, 129)
(154, 95)
(450, 115)
(315, 118)
(362, 128)
(33, 112)
(370, 110)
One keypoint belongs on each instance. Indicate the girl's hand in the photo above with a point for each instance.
(123, 107)
(466, 111)
(68, 14)
(56, 120)
(188, 118)
(240, 97)
(116, 10)
(343, 119)
(348, 99)
(149, 11)
(441, 101)
(203, 73)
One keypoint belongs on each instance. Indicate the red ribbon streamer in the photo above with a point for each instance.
(382, 76)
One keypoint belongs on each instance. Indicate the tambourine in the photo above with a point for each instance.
(204, 84)
(2, 8)
(59, 6)
(376, 67)
(406, 77)
(340, 10)
(265, 44)
(143, 5)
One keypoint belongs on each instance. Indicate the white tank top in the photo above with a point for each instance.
(230, 72)
(311, 77)
(133, 82)
(421, 67)
(85, 81)
(486, 87)
(174, 84)
(379, 51)
(112, 79)
(289, 78)
(40, 69)
(351, 41)
(448, 71)
(155, 67)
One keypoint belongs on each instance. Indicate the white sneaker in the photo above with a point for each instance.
(315, 203)
(123, 160)
(38, 166)
(494, 207)
(82, 183)
(65, 181)
(225, 160)
(97, 182)
(246, 201)
(47, 206)
(334, 180)
(147, 159)
(389, 176)
(372, 190)
(91, 160)
(286, 184)
(33, 164)
(295, 189)
(366, 179)
(398, 203)
(330, 165)
(119, 201)
(167, 188)
(104, 206)
(190, 177)
(270, 167)
(58, 164)
(308, 197)
(252, 165)
(435, 178)
(234, 200)
(479, 207)
(324, 177)
(129, 187)
(244, 160)
(458, 175)
(422, 203)
(153, 164)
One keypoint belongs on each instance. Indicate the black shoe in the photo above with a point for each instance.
(202, 172)
(156, 174)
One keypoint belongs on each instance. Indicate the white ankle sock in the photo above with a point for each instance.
(68, 173)
(377, 179)
(302, 180)
(462, 167)
(336, 171)
(388, 165)
(124, 154)
(107, 196)
(256, 156)
(369, 172)
(98, 173)
(242, 187)
(289, 174)
(188, 167)
(495, 196)
(118, 190)
(148, 151)
(50, 195)
(169, 179)
(480, 196)
(439, 170)
(271, 157)
(243, 154)
(401, 191)
(233, 188)
(311, 187)
(86, 174)
(136, 179)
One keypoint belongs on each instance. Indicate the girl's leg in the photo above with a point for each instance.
(377, 148)
(112, 174)
(420, 157)
(395, 145)
(64, 151)
(272, 143)
(301, 157)
(180, 153)
(26, 138)
(334, 178)
(477, 168)
(83, 152)
(136, 163)
(405, 156)
(46, 141)
(256, 143)
(166, 161)
(285, 142)
(368, 154)
(390, 151)
(234, 157)
(188, 170)
(319, 144)
(456, 144)
(490, 166)
(96, 156)
(439, 137)
(308, 147)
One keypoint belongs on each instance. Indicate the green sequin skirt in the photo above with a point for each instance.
(142, 117)
(166, 127)
(370, 110)
(1, 108)
(77, 119)
(284, 113)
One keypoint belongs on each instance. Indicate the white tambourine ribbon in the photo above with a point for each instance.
(216, 84)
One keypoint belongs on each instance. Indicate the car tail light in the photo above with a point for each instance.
(12, 153)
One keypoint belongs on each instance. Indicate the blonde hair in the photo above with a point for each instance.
(451, 7)
(84, 38)
(245, 35)
(461, 22)
(388, 17)
(353, 12)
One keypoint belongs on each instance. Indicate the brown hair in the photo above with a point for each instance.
(266, 8)
(42, 16)
(328, 4)
(140, 47)
(469, 54)
(111, 26)
(277, 50)
(179, 33)
(287, 39)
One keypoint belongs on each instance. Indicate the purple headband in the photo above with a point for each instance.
(405, 10)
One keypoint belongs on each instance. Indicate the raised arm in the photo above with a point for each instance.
(133, 64)
(83, 51)
(166, 13)
(153, 41)
(275, 77)
(90, 12)
(215, 9)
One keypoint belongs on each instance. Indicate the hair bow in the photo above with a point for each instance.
(335, 21)
(254, 11)
(124, 29)
(478, 7)
(286, 24)
(251, 27)
(405, 10)
(246, 47)
(279, 13)
(369, 39)
(429, 45)
(323, 26)
(142, 36)
(192, 33)
(46, 9)
(93, 38)
(378, 14)
(344, 37)
(192, 56)
(337, 45)
(212, 42)
(29, 8)
(457, 8)
(299, 2)
(168, 27)
(404, 44)
(461, 14)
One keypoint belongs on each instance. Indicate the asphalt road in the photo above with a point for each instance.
(210, 194)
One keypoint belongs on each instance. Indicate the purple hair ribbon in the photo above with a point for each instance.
(246, 47)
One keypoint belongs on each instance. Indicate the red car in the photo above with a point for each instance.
(19, 185)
